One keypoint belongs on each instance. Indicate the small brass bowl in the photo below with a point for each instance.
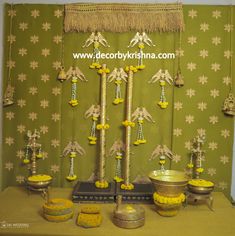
(200, 189)
(39, 185)
(169, 183)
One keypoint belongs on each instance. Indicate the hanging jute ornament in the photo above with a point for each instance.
(141, 39)
(72, 149)
(118, 75)
(96, 39)
(9, 92)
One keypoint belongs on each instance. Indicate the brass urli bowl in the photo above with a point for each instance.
(38, 185)
(200, 189)
(169, 183)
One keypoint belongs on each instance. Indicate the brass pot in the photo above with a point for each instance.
(200, 189)
(169, 183)
(166, 209)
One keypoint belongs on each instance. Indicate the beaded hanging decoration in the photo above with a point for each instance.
(118, 149)
(97, 39)
(229, 102)
(72, 149)
(163, 77)
(141, 114)
(141, 39)
(118, 76)
(94, 113)
(162, 151)
(74, 74)
(9, 91)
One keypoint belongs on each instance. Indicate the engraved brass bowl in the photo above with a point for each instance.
(39, 185)
(200, 189)
(169, 183)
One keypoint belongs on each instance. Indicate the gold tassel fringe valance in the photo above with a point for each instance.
(118, 17)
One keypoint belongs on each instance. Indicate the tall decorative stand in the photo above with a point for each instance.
(199, 190)
(35, 182)
(100, 190)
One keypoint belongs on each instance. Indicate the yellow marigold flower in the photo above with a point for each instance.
(200, 170)
(118, 179)
(140, 67)
(71, 177)
(168, 200)
(92, 142)
(39, 155)
(201, 183)
(162, 82)
(142, 141)
(38, 178)
(94, 118)
(96, 44)
(73, 154)
(99, 126)
(106, 126)
(190, 165)
(101, 184)
(162, 162)
(136, 143)
(141, 45)
(118, 157)
(74, 80)
(127, 186)
(26, 161)
(128, 123)
(118, 82)
(92, 138)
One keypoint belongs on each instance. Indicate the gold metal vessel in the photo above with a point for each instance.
(39, 185)
(200, 189)
(169, 183)
(128, 216)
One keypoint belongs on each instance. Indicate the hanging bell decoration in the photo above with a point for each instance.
(62, 75)
(229, 105)
(8, 96)
(179, 82)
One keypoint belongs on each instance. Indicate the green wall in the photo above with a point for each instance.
(170, 127)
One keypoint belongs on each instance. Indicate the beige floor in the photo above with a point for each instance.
(18, 207)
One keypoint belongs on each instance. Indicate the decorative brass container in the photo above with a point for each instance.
(200, 189)
(128, 216)
(39, 185)
(167, 210)
(169, 183)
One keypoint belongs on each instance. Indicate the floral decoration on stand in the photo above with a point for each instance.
(117, 149)
(72, 149)
(163, 77)
(118, 75)
(141, 114)
(74, 74)
(94, 112)
(162, 151)
(96, 39)
(197, 155)
(141, 39)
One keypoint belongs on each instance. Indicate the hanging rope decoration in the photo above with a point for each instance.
(162, 77)
(141, 39)
(141, 114)
(94, 113)
(117, 149)
(179, 82)
(72, 149)
(9, 91)
(74, 74)
(118, 76)
(229, 102)
(96, 39)
(162, 151)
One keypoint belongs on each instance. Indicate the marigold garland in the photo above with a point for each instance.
(168, 200)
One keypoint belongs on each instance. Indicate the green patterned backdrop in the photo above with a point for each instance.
(41, 101)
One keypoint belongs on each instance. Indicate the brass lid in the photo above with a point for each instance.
(129, 212)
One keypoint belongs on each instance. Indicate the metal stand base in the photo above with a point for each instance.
(198, 199)
(87, 192)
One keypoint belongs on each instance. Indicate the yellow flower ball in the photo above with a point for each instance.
(200, 170)
(190, 165)
(162, 82)
(26, 161)
(71, 177)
